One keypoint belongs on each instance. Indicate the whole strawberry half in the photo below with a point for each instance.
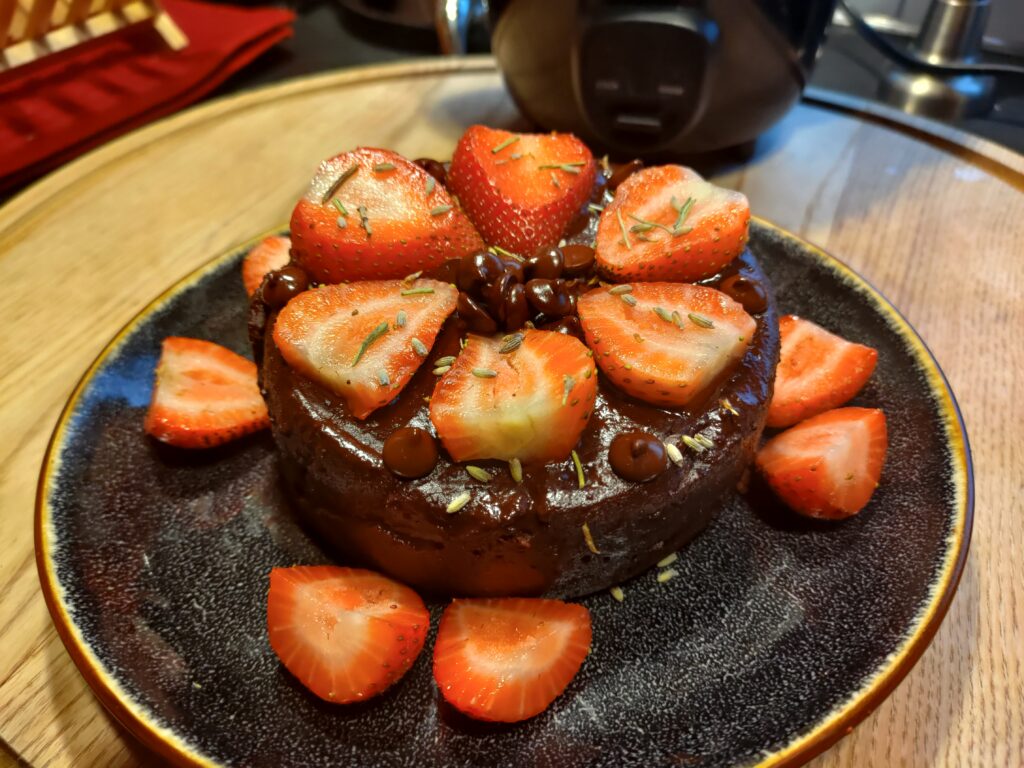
(507, 659)
(364, 340)
(268, 254)
(346, 634)
(204, 395)
(521, 190)
(817, 371)
(829, 465)
(667, 223)
(506, 400)
(664, 343)
(370, 214)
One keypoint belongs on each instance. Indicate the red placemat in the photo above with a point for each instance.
(54, 111)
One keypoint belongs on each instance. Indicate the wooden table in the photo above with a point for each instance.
(936, 221)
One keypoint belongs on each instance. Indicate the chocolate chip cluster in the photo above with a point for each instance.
(503, 292)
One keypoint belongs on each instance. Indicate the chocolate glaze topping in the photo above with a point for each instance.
(637, 456)
(518, 538)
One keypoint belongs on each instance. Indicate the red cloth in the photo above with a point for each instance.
(53, 111)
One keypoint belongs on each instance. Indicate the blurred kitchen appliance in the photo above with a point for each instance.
(657, 77)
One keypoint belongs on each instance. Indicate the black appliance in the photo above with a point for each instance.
(657, 77)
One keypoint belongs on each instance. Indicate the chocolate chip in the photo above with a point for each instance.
(637, 456)
(515, 268)
(475, 316)
(517, 309)
(477, 270)
(410, 452)
(747, 292)
(623, 171)
(569, 325)
(577, 260)
(433, 167)
(447, 272)
(494, 294)
(281, 285)
(549, 297)
(546, 265)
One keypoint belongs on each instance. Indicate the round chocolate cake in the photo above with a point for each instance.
(382, 489)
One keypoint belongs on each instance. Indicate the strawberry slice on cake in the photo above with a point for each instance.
(370, 214)
(364, 340)
(664, 343)
(668, 223)
(527, 397)
(520, 189)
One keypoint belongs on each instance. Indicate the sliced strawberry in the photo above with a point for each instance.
(351, 339)
(530, 403)
(665, 343)
(507, 659)
(829, 465)
(370, 214)
(204, 395)
(817, 371)
(269, 254)
(521, 189)
(667, 223)
(345, 633)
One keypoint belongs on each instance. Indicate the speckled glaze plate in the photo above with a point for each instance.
(778, 635)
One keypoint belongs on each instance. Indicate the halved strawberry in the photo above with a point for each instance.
(829, 465)
(370, 214)
(667, 223)
(817, 371)
(267, 255)
(529, 403)
(204, 395)
(521, 189)
(664, 343)
(507, 659)
(346, 634)
(365, 340)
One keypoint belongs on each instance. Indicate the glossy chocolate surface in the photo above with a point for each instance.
(514, 538)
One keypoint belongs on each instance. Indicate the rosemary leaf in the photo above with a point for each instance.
(506, 143)
(375, 334)
(345, 176)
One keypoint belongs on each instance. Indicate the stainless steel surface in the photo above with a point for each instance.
(952, 31)
(944, 98)
(893, 27)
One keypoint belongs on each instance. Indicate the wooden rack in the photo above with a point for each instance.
(33, 29)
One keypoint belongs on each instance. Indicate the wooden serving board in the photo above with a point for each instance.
(933, 218)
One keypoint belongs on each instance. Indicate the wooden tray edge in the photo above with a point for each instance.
(998, 161)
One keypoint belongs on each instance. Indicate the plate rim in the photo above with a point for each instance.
(832, 727)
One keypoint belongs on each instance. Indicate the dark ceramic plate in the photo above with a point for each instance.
(777, 636)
